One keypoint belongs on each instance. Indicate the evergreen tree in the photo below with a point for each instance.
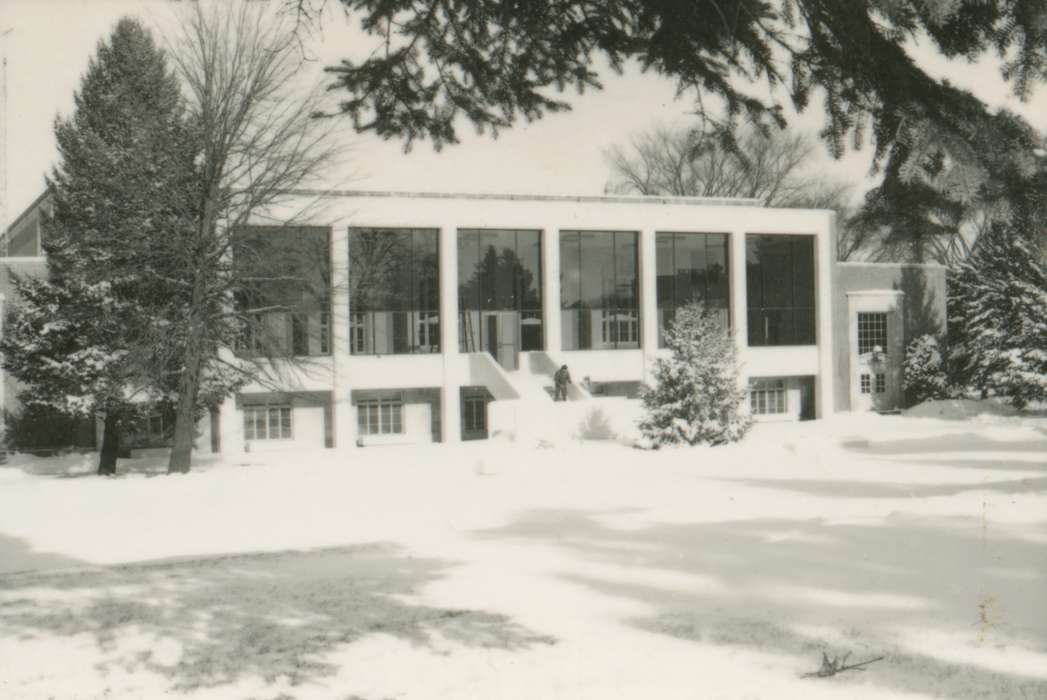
(122, 196)
(998, 317)
(944, 153)
(696, 397)
(924, 377)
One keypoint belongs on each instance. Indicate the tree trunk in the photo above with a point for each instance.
(110, 445)
(185, 412)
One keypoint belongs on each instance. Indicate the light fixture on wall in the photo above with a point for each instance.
(876, 357)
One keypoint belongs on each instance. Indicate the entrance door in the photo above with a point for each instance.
(500, 338)
(491, 338)
(875, 374)
(807, 405)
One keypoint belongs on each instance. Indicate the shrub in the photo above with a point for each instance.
(696, 397)
(924, 377)
(38, 427)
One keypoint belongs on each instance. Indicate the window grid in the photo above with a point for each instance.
(380, 417)
(620, 326)
(866, 384)
(767, 397)
(872, 331)
(357, 333)
(267, 423)
(881, 383)
(429, 329)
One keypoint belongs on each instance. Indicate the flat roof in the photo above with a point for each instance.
(607, 198)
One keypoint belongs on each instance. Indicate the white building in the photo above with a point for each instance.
(443, 317)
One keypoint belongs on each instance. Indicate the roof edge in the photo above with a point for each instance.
(491, 196)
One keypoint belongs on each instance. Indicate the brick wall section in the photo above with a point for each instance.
(923, 307)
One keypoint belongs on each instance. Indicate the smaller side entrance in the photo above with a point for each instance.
(876, 350)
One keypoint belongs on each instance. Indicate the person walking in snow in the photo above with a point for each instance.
(562, 378)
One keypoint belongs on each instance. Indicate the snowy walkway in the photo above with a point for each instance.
(586, 571)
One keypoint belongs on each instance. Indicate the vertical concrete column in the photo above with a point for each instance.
(551, 288)
(739, 302)
(648, 299)
(825, 259)
(230, 428)
(343, 424)
(450, 391)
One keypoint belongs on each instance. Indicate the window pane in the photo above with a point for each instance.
(285, 422)
(248, 424)
(626, 272)
(599, 271)
(529, 252)
(780, 288)
(570, 289)
(468, 270)
(393, 274)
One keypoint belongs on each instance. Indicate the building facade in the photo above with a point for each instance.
(443, 317)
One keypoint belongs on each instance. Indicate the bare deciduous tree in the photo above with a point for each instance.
(258, 140)
(689, 162)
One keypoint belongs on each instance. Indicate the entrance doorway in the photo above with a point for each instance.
(499, 337)
(876, 348)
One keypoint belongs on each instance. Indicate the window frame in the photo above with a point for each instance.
(666, 308)
(609, 305)
(768, 396)
(763, 281)
(478, 406)
(251, 426)
(380, 416)
(872, 331)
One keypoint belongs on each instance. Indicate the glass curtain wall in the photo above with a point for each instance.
(692, 268)
(598, 290)
(780, 289)
(394, 291)
(283, 296)
(499, 292)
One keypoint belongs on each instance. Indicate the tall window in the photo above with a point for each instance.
(394, 291)
(283, 297)
(380, 416)
(267, 422)
(598, 290)
(872, 332)
(500, 292)
(692, 267)
(780, 289)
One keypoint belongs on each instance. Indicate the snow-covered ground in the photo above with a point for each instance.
(584, 570)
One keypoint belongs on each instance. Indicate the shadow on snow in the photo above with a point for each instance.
(268, 616)
(798, 587)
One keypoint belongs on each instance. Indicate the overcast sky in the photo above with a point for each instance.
(52, 40)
